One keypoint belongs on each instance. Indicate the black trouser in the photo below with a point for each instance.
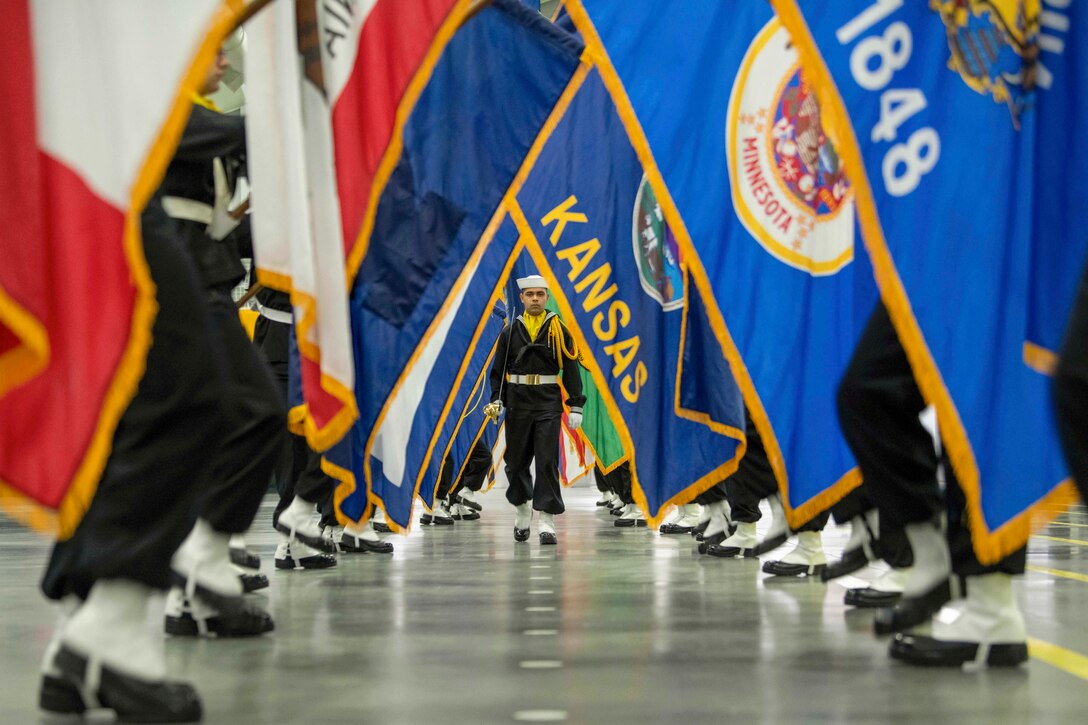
(141, 511)
(601, 481)
(618, 482)
(474, 474)
(879, 404)
(1071, 390)
(298, 470)
(754, 481)
(892, 544)
(533, 434)
(717, 493)
(243, 462)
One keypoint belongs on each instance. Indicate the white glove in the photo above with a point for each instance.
(575, 420)
(222, 221)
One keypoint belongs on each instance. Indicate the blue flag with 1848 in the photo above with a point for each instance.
(620, 278)
(732, 123)
(937, 109)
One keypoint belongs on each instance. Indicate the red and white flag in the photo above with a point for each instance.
(297, 237)
(95, 97)
(378, 56)
(323, 140)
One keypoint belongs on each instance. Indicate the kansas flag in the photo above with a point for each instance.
(620, 278)
(941, 137)
(730, 120)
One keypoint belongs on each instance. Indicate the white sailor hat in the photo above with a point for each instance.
(533, 281)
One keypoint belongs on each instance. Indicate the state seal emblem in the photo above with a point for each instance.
(788, 184)
(993, 45)
(656, 251)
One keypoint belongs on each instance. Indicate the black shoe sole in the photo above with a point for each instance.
(699, 529)
(768, 545)
(521, 534)
(317, 561)
(245, 559)
(548, 540)
(314, 542)
(714, 540)
(471, 504)
(676, 529)
(912, 611)
(727, 552)
(226, 603)
(132, 700)
(778, 568)
(382, 528)
(244, 625)
(60, 697)
(253, 582)
(923, 651)
(850, 562)
(353, 545)
(870, 598)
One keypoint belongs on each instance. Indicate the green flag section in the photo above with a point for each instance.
(597, 426)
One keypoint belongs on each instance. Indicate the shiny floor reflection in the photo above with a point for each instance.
(461, 625)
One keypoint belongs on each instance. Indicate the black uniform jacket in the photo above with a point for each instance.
(208, 135)
(516, 354)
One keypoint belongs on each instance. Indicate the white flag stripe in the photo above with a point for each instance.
(340, 63)
(102, 118)
(328, 286)
(391, 442)
(275, 136)
(296, 213)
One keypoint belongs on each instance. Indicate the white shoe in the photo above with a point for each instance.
(66, 608)
(892, 581)
(932, 560)
(111, 629)
(604, 498)
(297, 522)
(689, 515)
(547, 530)
(468, 496)
(462, 512)
(523, 516)
(779, 530)
(719, 521)
(987, 628)
(440, 513)
(740, 545)
(202, 565)
(806, 559)
(296, 555)
(632, 516)
(332, 534)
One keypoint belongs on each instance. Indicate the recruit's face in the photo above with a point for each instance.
(215, 74)
(534, 299)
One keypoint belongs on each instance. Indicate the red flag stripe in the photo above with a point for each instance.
(84, 275)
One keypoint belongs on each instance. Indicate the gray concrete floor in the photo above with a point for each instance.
(461, 625)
